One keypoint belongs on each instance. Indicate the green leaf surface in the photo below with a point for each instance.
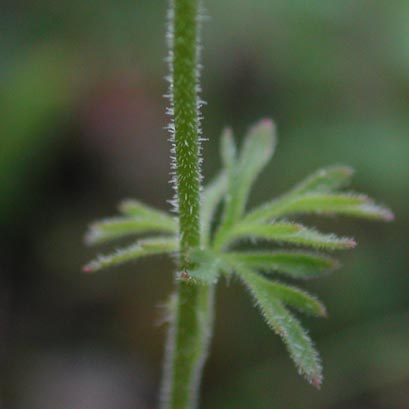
(228, 150)
(324, 180)
(295, 264)
(141, 248)
(284, 324)
(321, 203)
(211, 197)
(257, 149)
(136, 209)
(115, 228)
(296, 298)
(291, 233)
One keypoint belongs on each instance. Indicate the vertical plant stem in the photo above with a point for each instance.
(192, 314)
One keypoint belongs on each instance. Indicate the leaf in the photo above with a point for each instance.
(295, 264)
(207, 266)
(136, 209)
(119, 227)
(141, 248)
(228, 149)
(373, 211)
(321, 203)
(284, 324)
(313, 238)
(256, 151)
(211, 197)
(324, 180)
(296, 298)
(291, 233)
(292, 296)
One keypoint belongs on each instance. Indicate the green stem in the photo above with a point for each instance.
(192, 315)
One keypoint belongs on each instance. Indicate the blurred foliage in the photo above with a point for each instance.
(81, 127)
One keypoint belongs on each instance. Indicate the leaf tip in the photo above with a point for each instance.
(351, 243)
(265, 125)
(323, 312)
(388, 215)
(91, 236)
(123, 206)
(227, 132)
(266, 122)
(346, 170)
(88, 268)
(316, 382)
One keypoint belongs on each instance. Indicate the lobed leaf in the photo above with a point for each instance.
(119, 227)
(292, 263)
(141, 248)
(321, 203)
(289, 295)
(256, 151)
(284, 324)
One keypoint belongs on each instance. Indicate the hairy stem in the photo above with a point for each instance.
(192, 315)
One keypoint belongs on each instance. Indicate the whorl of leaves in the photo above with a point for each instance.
(320, 193)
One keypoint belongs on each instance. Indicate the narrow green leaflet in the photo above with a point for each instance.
(324, 180)
(292, 263)
(276, 231)
(313, 238)
(141, 248)
(284, 324)
(256, 151)
(296, 298)
(228, 150)
(207, 266)
(290, 233)
(135, 208)
(321, 203)
(216, 190)
(211, 197)
(119, 227)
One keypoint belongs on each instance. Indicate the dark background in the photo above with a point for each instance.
(82, 117)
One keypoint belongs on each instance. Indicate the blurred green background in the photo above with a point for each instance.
(81, 127)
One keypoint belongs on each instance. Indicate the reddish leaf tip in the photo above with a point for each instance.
(87, 269)
(351, 243)
(388, 216)
(266, 122)
(262, 124)
(316, 382)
